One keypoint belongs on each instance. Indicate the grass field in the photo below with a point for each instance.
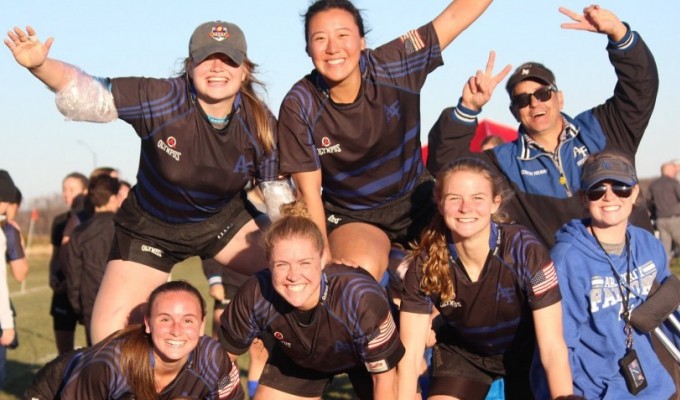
(34, 326)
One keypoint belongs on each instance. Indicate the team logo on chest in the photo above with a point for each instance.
(392, 111)
(169, 147)
(327, 147)
(279, 336)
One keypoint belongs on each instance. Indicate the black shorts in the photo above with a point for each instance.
(282, 374)
(147, 240)
(464, 375)
(63, 316)
(402, 219)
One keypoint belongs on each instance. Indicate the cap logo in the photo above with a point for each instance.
(605, 165)
(219, 33)
(525, 71)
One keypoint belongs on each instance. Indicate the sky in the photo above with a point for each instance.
(150, 38)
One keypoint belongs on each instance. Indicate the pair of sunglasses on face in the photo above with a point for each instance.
(620, 190)
(543, 94)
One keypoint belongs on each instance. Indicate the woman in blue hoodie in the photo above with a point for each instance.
(606, 268)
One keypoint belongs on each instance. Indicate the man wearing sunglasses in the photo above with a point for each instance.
(543, 165)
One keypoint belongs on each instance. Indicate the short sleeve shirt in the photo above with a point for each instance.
(487, 316)
(351, 325)
(188, 170)
(368, 151)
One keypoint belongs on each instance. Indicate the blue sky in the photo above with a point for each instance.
(150, 37)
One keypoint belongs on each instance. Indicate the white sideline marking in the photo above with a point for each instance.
(29, 291)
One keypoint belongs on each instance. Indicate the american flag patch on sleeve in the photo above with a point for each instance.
(227, 386)
(544, 280)
(412, 41)
(385, 332)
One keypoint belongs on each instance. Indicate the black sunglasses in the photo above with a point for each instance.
(543, 94)
(596, 193)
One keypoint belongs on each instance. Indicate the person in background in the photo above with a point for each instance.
(543, 165)
(325, 319)
(606, 269)
(167, 357)
(495, 289)
(207, 122)
(88, 250)
(663, 199)
(64, 319)
(123, 192)
(352, 128)
(8, 338)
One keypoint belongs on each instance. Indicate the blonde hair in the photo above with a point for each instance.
(436, 277)
(295, 222)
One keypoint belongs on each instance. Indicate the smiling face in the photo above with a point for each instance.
(335, 45)
(467, 203)
(610, 210)
(296, 265)
(217, 79)
(175, 324)
(541, 120)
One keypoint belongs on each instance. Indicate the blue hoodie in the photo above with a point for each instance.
(591, 303)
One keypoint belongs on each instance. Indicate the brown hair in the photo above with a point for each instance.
(294, 222)
(261, 114)
(135, 362)
(435, 268)
(101, 188)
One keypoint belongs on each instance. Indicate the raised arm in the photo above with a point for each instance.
(309, 186)
(456, 17)
(80, 97)
(479, 87)
(30, 53)
(596, 19)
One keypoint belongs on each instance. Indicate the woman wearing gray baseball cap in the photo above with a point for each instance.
(204, 135)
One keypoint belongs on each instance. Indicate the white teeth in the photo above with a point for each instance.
(217, 80)
(334, 62)
(296, 288)
(466, 219)
(175, 343)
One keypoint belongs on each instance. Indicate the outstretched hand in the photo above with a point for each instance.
(27, 50)
(595, 19)
(479, 88)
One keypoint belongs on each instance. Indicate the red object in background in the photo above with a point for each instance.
(34, 214)
(484, 128)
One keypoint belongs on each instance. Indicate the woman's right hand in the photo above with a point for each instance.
(27, 50)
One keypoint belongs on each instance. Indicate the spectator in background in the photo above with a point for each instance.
(7, 329)
(88, 249)
(16, 247)
(64, 319)
(664, 204)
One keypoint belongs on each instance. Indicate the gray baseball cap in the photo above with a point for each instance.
(608, 168)
(218, 37)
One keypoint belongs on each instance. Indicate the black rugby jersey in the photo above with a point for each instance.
(351, 325)
(188, 170)
(368, 151)
(95, 373)
(493, 315)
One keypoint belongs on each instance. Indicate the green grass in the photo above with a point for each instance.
(36, 340)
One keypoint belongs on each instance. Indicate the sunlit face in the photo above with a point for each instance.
(217, 79)
(539, 118)
(467, 203)
(611, 210)
(3, 207)
(335, 44)
(70, 188)
(296, 266)
(175, 325)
